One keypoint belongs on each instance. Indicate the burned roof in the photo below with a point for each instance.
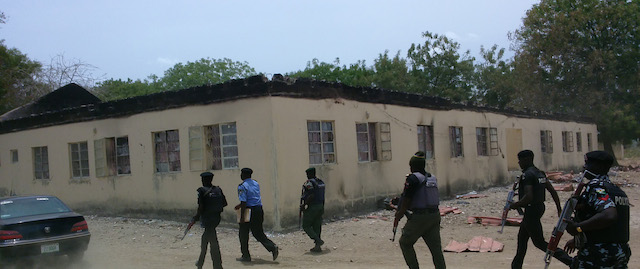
(55, 109)
(69, 96)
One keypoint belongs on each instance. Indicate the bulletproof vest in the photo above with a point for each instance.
(538, 186)
(427, 195)
(618, 232)
(318, 190)
(212, 199)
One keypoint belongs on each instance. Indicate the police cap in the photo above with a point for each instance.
(206, 174)
(599, 157)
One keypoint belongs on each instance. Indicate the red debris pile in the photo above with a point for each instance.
(629, 168)
(558, 176)
(493, 221)
(476, 244)
(563, 187)
(447, 209)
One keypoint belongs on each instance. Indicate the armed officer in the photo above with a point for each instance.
(531, 194)
(313, 207)
(602, 215)
(421, 197)
(211, 202)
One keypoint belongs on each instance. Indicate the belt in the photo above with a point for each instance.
(424, 210)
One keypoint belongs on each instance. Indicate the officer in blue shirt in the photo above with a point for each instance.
(249, 196)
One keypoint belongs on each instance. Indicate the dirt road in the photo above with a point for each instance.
(358, 242)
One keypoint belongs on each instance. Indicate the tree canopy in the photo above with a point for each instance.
(583, 58)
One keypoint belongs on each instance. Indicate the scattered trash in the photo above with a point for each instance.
(476, 244)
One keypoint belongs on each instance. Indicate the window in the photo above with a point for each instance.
(579, 141)
(567, 141)
(213, 147)
(321, 142)
(487, 141)
(373, 141)
(589, 145)
(455, 135)
(14, 155)
(167, 151)
(40, 163)
(112, 156)
(79, 159)
(425, 140)
(546, 141)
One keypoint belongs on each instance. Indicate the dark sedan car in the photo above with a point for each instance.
(40, 225)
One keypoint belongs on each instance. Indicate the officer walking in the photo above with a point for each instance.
(313, 207)
(211, 202)
(602, 214)
(420, 196)
(249, 196)
(531, 194)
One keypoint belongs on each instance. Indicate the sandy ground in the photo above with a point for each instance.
(357, 242)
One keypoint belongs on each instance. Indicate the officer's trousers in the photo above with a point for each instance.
(532, 228)
(427, 226)
(255, 226)
(312, 221)
(210, 237)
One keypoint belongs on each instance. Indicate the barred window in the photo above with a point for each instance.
(546, 141)
(579, 141)
(40, 163)
(373, 141)
(79, 159)
(321, 142)
(167, 151)
(425, 140)
(567, 141)
(455, 136)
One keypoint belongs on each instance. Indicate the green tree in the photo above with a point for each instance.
(357, 74)
(18, 78)
(204, 71)
(112, 89)
(494, 81)
(391, 73)
(438, 69)
(582, 57)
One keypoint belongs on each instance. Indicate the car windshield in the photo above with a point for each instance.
(30, 206)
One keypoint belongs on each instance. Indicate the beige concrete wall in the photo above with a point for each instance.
(272, 140)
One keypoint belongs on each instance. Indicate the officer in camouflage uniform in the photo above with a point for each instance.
(211, 202)
(313, 207)
(602, 215)
(421, 197)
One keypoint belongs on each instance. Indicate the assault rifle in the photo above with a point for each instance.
(561, 226)
(395, 228)
(507, 206)
(301, 208)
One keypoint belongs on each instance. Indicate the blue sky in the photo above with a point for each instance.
(133, 39)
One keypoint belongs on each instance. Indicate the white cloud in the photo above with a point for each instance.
(166, 61)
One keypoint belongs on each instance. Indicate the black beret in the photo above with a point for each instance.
(311, 170)
(599, 156)
(206, 174)
(525, 154)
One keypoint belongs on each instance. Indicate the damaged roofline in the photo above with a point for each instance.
(251, 87)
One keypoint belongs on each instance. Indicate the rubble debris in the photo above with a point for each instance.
(558, 176)
(448, 209)
(476, 244)
(563, 187)
(470, 196)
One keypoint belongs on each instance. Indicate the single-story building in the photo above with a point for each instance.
(146, 152)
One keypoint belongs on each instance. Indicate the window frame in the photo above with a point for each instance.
(168, 149)
(79, 160)
(425, 140)
(377, 141)
(579, 141)
(546, 141)
(589, 142)
(321, 142)
(567, 141)
(13, 155)
(456, 141)
(40, 157)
